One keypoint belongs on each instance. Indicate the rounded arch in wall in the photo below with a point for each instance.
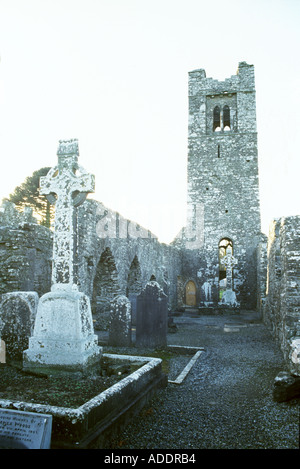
(105, 287)
(134, 278)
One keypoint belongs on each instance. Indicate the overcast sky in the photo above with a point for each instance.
(114, 74)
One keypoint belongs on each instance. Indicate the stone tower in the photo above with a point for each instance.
(223, 189)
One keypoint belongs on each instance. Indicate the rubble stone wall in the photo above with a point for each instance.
(281, 311)
(223, 186)
(25, 252)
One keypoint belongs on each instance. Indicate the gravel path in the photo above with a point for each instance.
(225, 402)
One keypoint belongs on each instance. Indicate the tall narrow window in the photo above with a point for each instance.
(226, 118)
(225, 246)
(217, 119)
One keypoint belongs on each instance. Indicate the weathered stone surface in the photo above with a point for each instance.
(25, 252)
(120, 322)
(281, 309)
(70, 189)
(17, 313)
(286, 387)
(112, 261)
(2, 344)
(10, 216)
(223, 196)
(152, 317)
(24, 430)
(63, 335)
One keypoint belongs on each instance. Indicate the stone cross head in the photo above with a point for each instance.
(63, 180)
(66, 185)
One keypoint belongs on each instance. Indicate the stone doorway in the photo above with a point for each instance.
(190, 293)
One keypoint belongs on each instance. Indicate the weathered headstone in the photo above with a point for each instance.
(24, 430)
(17, 312)
(120, 322)
(152, 317)
(229, 296)
(132, 298)
(63, 336)
(2, 351)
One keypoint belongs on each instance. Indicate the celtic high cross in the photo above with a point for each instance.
(229, 262)
(67, 185)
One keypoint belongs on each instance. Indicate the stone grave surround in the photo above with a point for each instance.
(63, 335)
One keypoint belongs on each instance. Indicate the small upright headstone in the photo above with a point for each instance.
(120, 322)
(2, 351)
(17, 312)
(132, 298)
(152, 317)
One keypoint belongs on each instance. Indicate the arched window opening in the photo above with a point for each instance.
(217, 119)
(226, 118)
(134, 279)
(225, 247)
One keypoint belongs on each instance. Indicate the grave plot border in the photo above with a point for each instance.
(98, 420)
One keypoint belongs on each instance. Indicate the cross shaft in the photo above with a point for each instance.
(67, 189)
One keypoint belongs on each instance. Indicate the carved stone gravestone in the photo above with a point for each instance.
(63, 336)
(17, 312)
(132, 298)
(120, 322)
(152, 317)
(24, 430)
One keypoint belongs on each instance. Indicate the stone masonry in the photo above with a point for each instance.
(281, 310)
(63, 336)
(118, 257)
(25, 252)
(223, 191)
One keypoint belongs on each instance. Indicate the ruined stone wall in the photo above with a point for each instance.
(25, 252)
(114, 256)
(281, 311)
(223, 187)
(262, 272)
(118, 257)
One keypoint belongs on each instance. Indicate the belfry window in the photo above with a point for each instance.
(226, 118)
(221, 119)
(217, 119)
